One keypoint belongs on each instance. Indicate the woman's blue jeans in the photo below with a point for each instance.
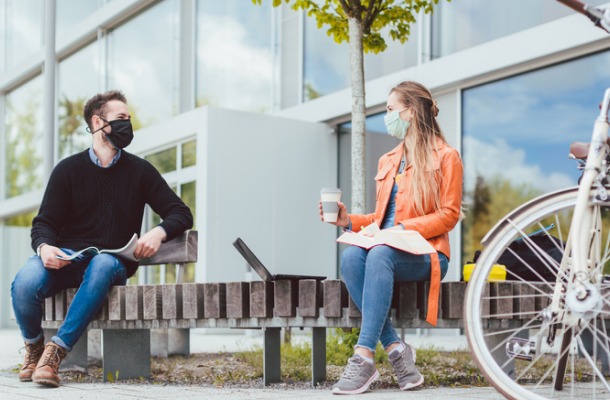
(93, 276)
(370, 275)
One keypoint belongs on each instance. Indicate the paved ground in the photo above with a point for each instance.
(11, 388)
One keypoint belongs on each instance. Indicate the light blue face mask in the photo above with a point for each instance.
(395, 125)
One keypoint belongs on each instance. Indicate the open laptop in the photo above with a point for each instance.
(261, 270)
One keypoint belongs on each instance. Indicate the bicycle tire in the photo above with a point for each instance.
(534, 379)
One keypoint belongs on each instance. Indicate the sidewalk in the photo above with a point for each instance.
(11, 388)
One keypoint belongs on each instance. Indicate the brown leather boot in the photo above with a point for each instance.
(33, 351)
(46, 372)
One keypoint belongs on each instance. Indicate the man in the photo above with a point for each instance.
(93, 198)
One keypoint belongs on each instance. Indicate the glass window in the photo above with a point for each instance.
(466, 23)
(23, 130)
(78, 81)
(516, 138)
(378, 142)
(189, 154)
(70, 12)
(24, 24)
(234, 55)
(164, 161)
(326, 63)
(142, 63)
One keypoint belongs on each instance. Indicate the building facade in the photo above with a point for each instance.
(516, 82)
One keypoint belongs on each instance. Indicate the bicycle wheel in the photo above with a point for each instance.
(550, 349)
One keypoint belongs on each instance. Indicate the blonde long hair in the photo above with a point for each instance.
(420, 143)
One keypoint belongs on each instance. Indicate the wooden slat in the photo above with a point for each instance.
(102, 313)
(501, 303)
(541, 301)
(215, 300)
(352, 309)
(310, 298)
(485, 302)
(116, 303)
(192, 300)
(49, 309)
(285, 298)
(152, 301)
(238, 300)
(60, 306)
(524, 302)
(335, 298)
(134, 303)
(182, 249)
(453, 295)
(70, 293)
(423, 288)
(172, 301)
(261, 299)
(405, 294)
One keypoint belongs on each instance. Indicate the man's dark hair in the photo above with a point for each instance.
(97, 104)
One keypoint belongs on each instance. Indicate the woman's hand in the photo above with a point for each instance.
(342, 219)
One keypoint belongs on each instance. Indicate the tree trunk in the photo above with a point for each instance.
(356, 57)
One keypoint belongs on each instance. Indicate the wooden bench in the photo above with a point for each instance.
(131, 311)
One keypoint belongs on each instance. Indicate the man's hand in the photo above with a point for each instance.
(48, 255)
(149, 243)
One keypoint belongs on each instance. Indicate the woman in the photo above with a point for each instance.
(419, 187)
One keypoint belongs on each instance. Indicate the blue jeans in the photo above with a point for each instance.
(370, 276)
(93, 276)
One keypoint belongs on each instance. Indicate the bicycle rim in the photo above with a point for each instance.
(504, 333)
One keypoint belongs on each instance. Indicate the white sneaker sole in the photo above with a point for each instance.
(409, 386)
(362, 389)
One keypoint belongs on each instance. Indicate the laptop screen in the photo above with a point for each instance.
(254, 262)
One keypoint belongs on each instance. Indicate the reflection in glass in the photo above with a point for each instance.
(188, 195)
(23, 31)
(466, 23)
(164, 161)
(378, 142)
(189, 154)
(78, 76)
(23, 129)
(234, 55)
(142, 63)
(326, 63)
(22, 220)
(70, 12)
(516, 138)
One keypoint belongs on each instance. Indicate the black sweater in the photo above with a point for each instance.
(85, 205)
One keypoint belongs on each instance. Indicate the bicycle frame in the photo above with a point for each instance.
(583, 220)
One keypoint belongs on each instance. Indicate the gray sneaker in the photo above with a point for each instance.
(404, 367)
(357, 376)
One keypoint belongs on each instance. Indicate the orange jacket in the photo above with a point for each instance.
(434, 225)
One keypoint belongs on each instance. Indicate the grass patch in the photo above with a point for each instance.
(440, 368)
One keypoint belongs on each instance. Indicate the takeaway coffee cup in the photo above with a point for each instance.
(330, 204)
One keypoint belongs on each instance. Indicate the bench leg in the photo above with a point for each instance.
(178, 342)
(125, 353)
(159, 342)
(76, 360)
(318, 355)
(271, 355)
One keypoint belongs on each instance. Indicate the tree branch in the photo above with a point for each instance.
(352, 8)
(373, 10)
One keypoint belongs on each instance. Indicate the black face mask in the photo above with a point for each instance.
(121, 132)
